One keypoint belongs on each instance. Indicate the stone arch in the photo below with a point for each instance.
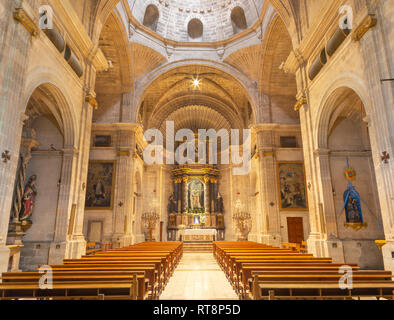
(66, 108)
(329, 99)
(251, 90)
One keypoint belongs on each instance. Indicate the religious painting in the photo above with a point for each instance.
(196, 195)
(100, 184)
(292, 189)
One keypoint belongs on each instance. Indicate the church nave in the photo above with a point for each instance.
(198, 277)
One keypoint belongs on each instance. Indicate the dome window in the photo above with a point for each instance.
(151, 17)
(195, 30)
(238, 20)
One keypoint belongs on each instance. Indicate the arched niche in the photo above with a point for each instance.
(44, 155)
(345, 134)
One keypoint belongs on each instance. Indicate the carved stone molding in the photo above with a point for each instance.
(91, 99)
(23, 18)
(368, 22)
(300, 103)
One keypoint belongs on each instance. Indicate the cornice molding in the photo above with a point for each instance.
(136, 127)
(76, 31)
(275, 127)
(22, 15)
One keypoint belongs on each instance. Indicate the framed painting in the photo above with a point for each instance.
(292, 186)
(100, 185)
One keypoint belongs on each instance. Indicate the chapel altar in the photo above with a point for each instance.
(195, 209)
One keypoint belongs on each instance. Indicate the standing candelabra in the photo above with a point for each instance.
(150, 218)
(242, 220)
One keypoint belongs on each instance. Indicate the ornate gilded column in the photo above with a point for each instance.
(207, 201)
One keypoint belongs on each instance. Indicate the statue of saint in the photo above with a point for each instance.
(220, 203)
(28, 199)
(171, 204)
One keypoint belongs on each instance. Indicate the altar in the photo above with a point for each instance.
(196, 235)
(195, 207)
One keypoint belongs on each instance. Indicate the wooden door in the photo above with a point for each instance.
(295, 229)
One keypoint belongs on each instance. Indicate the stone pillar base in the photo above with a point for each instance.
(139, 237)
(75, 247)
(332, 248)
(4, 258)
(57, 252)
(388, 255)
(274, 240)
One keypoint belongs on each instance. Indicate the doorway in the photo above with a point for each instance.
(295, 229)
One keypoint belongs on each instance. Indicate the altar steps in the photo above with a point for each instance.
(197, 247)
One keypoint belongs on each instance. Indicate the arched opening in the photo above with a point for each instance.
(112, 83)
(279, 87)
(238, 20)
(41, 177)
(151, 17)
(195, 30)
(357, 217)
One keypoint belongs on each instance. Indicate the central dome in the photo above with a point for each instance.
(197, 20)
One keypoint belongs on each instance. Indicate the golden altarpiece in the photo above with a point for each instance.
(196, 203)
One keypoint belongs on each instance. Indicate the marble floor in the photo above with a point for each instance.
(198, 277)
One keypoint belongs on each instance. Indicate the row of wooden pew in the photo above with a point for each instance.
(135, 272)
(258, 271)
(93, 247)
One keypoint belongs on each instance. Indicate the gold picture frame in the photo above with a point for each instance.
(100, 185)
(292, 189)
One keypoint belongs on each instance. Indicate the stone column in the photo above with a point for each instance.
(376, 51)
(15, 43)
(58, 246)
(268, 186)
(124, 184)
(333, 246)
(75, 243)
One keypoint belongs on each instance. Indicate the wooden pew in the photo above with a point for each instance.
(144, 268)
(265, 272)
(321, 290)
(71, 290)
(84, 277)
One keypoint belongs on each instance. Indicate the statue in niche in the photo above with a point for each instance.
(220, 203)
(171, 208)
(28, 199)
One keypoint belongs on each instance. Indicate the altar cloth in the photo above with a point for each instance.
(199, 235)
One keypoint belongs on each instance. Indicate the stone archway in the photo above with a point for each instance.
(39, 214)
(342, 135)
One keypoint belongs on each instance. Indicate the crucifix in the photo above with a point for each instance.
(6, 156)
(385, 157)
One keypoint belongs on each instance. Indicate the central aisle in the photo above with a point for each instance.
(198, 277)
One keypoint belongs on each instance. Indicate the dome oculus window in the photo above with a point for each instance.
(195, 29)
(238, 20)
(151, 17)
